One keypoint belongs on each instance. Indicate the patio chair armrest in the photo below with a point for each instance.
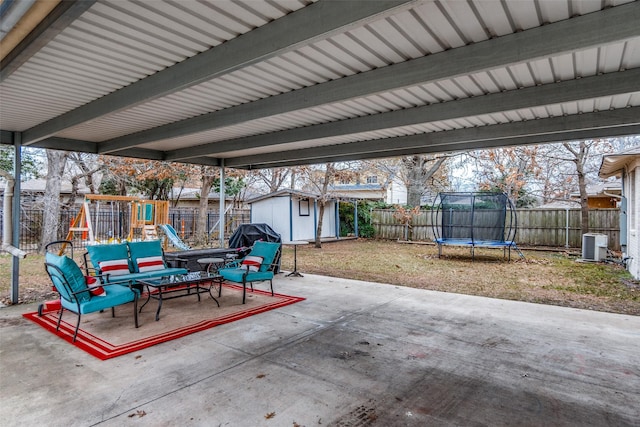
(122, 283)
(233, 264)
(128, 283)
(273, 266)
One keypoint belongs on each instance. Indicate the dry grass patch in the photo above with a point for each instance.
(548, 278)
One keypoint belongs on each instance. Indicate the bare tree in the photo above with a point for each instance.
(209, 175)
(417, 171)
(320, 179)
(508, 169)
(274, 179)
(56, 162)
(88, 166)
(580, 153)
(329, 176)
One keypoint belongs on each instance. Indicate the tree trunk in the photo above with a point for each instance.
(318, 242)
(417, 173)
(208, 177)
(414, 171)
(584, 200)
(329, 174)
(580, 156)
(56, 161)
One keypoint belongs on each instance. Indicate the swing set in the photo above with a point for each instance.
(144, 218)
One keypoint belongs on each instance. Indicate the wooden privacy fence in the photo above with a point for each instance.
(536, 227)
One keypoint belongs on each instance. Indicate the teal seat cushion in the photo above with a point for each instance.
(236, 275)
(99, 253)
(71, 273)
(115, 295)
(147, 248)
(266, 250)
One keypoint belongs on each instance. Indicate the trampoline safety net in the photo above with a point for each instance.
(474, 219)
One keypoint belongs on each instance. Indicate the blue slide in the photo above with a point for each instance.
(171, 233)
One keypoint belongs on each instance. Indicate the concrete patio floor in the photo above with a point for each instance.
(351, 354)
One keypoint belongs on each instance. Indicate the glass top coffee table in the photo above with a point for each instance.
(180, 285)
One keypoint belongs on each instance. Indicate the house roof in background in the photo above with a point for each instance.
(613, 164)
(291, 82)
(38, 185)
(600, 189)
(357, 187)
(194, 194)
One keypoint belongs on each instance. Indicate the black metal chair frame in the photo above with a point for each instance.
(64, 282)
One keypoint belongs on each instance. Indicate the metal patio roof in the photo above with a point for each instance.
(255, 84)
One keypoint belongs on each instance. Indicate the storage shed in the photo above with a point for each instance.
(295, 214)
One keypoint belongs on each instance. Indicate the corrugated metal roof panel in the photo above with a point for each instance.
(116, 43)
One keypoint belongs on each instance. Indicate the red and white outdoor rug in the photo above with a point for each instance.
(105, 337)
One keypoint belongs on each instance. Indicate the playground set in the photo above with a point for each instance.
(145, 219)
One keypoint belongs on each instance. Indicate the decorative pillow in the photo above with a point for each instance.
(143, 249)
(97, 291)
(98, 253)
(150, 263)
(251, 263)
(117, 267)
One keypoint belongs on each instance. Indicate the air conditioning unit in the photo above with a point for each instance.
(594, 246)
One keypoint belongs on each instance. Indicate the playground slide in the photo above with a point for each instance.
(170, 232)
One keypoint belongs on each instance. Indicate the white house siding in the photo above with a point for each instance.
(328, 221)
(632, 190)
(396, 193)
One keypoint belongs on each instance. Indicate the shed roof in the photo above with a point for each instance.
(289, 82)
(285, 193)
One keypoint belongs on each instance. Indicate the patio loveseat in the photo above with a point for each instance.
(128, 261)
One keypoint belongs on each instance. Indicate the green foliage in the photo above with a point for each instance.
(347, 218)
(109, 186)
(154, 188)
(523, 197)
(30, 167)
(232, 185)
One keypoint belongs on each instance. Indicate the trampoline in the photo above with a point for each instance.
(475, 220)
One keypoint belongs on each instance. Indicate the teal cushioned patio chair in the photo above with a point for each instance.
(234, 272)
(76, 296)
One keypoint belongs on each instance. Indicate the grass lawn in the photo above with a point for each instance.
(543, 277)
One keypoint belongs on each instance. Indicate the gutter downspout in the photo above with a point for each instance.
(7, 208)
(623, 215)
